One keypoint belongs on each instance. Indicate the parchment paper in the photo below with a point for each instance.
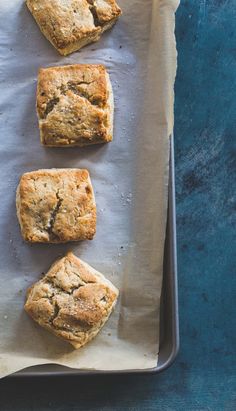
(130, 178)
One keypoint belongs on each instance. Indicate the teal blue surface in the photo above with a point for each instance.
(204, 374)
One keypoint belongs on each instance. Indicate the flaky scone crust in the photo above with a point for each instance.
(71, 24)
(56, 206)
(73, 300)
(74, 105)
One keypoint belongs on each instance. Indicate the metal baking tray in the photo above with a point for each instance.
(169, 319)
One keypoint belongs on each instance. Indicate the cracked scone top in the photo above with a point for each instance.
(73, 300)
(56, 206)
(71, 24)
(74, 105)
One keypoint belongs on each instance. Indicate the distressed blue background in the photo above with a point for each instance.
(204, 375)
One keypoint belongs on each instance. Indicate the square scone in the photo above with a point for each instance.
(74, 105)
(73, 300)
(56, 206)
(71, 24)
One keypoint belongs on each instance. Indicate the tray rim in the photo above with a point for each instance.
(70, 372)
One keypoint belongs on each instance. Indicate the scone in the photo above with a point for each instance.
(71, 24)
(56, 206)
(73, 300)
(74, 105)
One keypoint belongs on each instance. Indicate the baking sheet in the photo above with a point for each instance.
(130, 178)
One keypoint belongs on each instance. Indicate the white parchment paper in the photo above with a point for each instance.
(130, 178)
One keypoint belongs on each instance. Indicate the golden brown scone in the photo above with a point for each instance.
(71, 24)
(73, 300)
(74, 105)
(56, 206)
